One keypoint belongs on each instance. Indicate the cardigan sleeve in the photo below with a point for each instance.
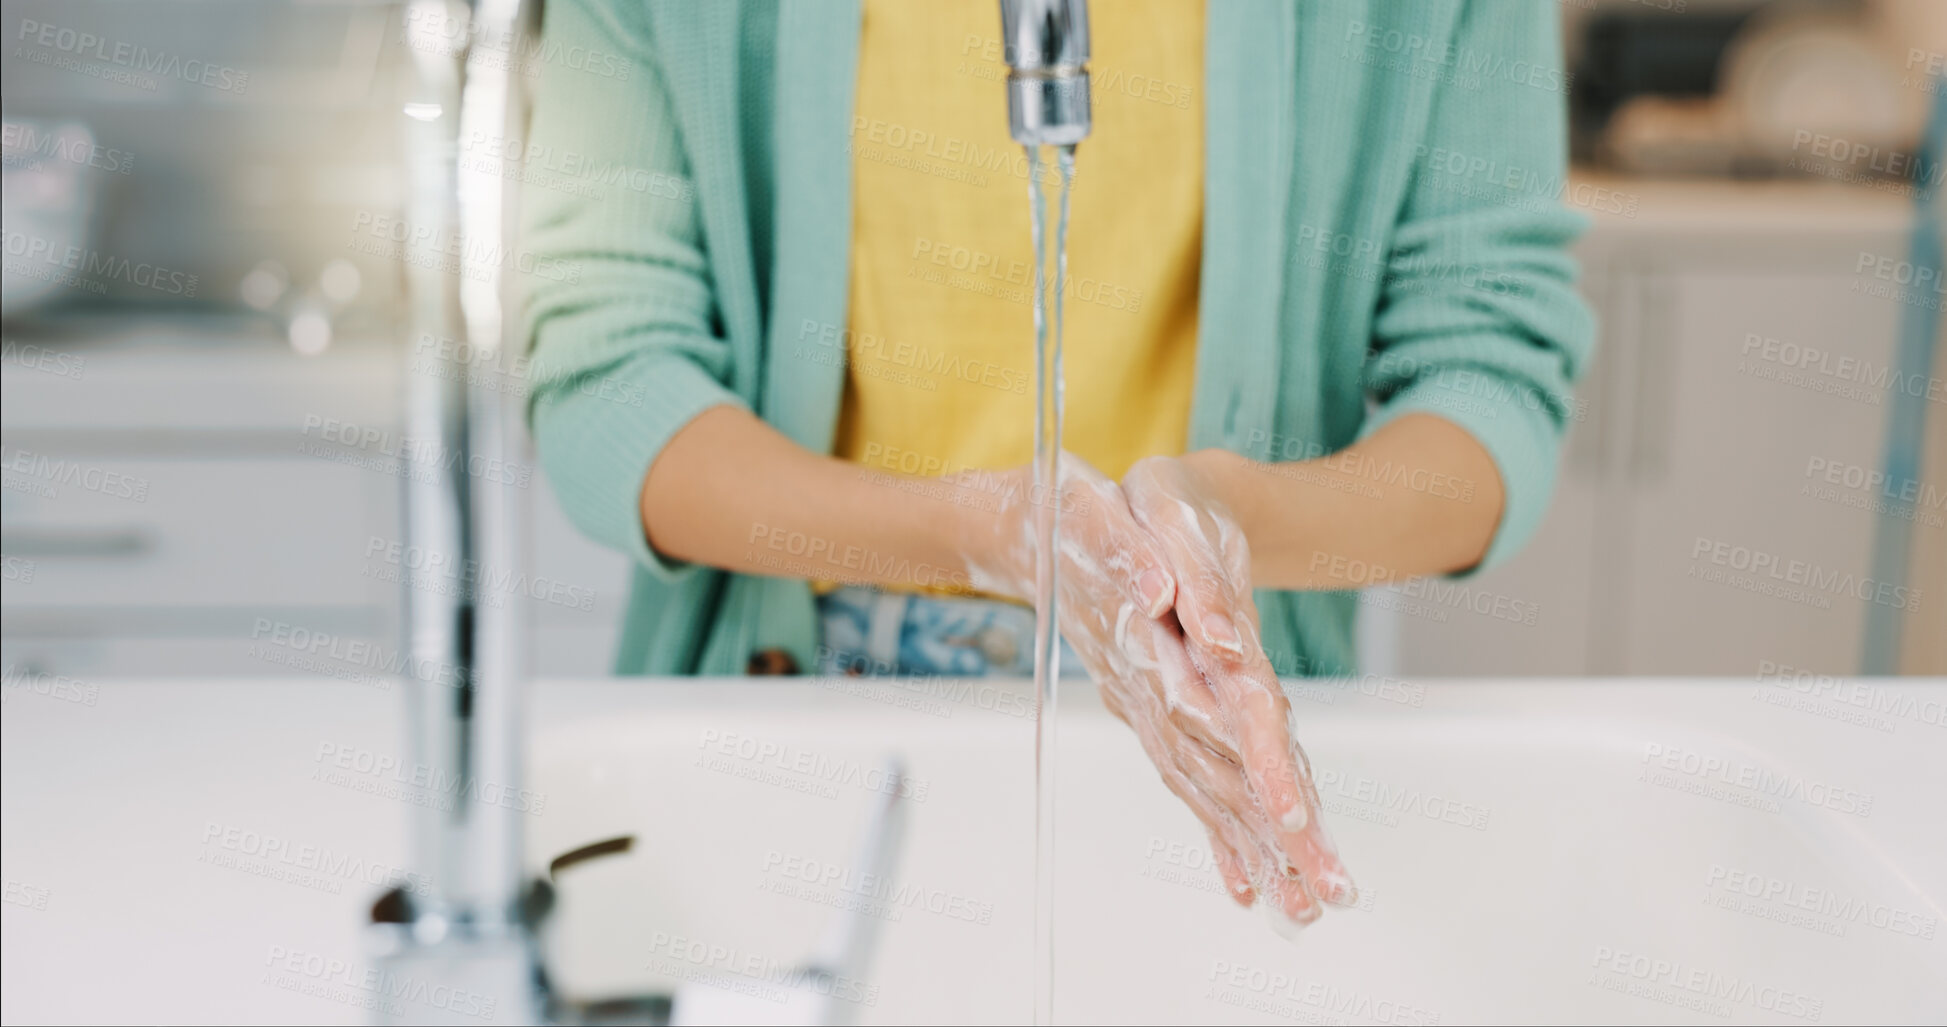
(623, 348)
(1477, 318)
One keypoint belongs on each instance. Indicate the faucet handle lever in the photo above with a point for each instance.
(846, 949)
(825, 990)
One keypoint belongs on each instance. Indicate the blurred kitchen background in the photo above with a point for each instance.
(204, 361)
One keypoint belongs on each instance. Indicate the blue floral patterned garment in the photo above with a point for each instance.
(865, 632)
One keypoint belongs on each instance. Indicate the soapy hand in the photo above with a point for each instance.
(1234, 705)
(1206, 706)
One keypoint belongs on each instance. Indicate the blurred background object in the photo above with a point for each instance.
(223, 340)
(248, 131)
(1738, 87)
(1761, 195)
(47, 197)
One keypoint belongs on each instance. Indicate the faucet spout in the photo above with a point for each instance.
(1045, 44)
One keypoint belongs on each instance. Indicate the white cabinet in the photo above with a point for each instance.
(189, 497)
(1739, 548)
(1715, 509)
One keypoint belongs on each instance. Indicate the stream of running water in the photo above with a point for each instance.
(1048, 390)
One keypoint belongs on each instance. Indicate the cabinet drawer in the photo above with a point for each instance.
(103, 531)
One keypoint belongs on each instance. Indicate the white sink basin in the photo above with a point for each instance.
(188, 851)
(1612, 851)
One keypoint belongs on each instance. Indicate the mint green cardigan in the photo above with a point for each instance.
(1381, 235)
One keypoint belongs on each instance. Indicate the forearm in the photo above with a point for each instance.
(732, 492)
(1419, 496)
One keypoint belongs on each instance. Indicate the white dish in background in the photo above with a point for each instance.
(47, 187)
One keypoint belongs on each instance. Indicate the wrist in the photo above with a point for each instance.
(960, 521)
(966, 533)
(1236, 481)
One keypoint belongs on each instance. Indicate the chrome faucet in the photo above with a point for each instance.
(1045, 45)
(469, 932)
(467, 936)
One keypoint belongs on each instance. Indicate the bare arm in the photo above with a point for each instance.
(730, 491)
(1418, 496)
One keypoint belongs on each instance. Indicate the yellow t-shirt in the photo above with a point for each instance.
(941, 345)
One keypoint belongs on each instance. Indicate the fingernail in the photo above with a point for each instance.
(1336, 889)
(1296, 817)
(1155, 588)
(1288, 923)
(1221, 632)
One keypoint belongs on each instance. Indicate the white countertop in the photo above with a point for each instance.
(140, 885)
